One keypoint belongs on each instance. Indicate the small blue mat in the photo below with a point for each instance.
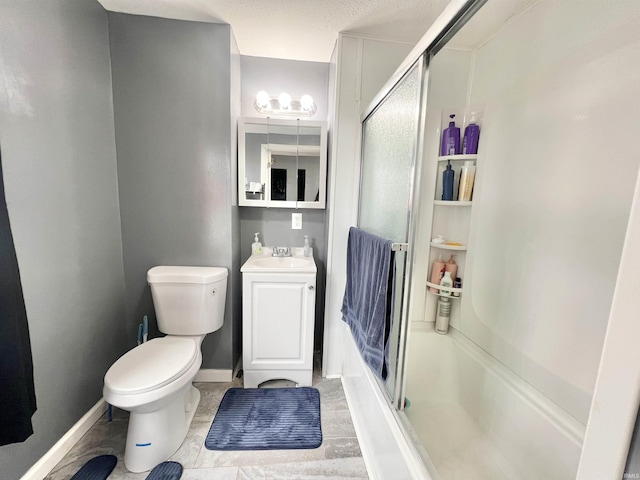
(97, 468)
(166, 471)
(266, 419)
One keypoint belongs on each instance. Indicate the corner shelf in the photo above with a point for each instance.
(453, 290)
(448, 247)
(453, 158)
(452, 203)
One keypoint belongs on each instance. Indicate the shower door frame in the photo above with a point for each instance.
(403, 266)
(459, 12)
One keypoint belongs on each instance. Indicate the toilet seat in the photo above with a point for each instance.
(152, 365)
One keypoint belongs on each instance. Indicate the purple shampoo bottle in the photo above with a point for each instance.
(471, 136)
(450, 139)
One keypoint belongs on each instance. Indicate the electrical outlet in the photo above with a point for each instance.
(296, 221)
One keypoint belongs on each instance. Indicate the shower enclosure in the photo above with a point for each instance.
(506, 394)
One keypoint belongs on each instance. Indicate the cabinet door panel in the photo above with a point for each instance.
(278, 328)
(278, 322)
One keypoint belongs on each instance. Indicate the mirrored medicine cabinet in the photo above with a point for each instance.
(282, 163)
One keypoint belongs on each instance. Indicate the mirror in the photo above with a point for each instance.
(282, 163)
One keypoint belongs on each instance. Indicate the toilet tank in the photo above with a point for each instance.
(188, 300)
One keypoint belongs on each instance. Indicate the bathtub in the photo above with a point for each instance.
(476, 419)
(468, 416)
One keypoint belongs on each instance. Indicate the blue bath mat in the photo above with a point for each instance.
(266, 419)
(166, 471)
(97, 468)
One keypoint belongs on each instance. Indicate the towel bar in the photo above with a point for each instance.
(399, 247)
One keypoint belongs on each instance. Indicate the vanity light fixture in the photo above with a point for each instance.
(285, 105)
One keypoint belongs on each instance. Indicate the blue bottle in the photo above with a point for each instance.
(447, 182)
(471, 136)
(450, 139)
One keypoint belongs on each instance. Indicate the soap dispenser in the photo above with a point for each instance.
(256, 246)
(450, 139)
(307, 247)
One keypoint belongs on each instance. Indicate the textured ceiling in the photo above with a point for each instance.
(296, 29)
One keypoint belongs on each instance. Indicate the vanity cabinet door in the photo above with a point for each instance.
(278, 317)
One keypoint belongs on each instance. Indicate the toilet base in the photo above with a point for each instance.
(152, 437)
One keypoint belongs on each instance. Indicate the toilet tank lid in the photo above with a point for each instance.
(167, 274)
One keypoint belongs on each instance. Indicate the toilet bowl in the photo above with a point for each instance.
(153, 380)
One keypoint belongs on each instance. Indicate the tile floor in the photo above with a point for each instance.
(338, 457)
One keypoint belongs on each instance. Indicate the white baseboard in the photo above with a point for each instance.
(214, 375)
(49, 460)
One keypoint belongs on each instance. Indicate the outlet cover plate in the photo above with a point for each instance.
(296, 221)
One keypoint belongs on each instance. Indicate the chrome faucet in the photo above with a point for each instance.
(281, 252)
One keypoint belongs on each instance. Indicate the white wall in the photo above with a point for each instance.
(556, 173)
(363, 65)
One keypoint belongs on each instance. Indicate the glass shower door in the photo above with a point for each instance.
(389, 148)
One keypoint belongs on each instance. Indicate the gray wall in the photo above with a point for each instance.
(58, 151)
(296, 78)
(171, 95)
(275, 75)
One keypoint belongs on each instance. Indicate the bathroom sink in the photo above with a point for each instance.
(282, 262)
(266, 263)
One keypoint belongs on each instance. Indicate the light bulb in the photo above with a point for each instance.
(285, 100)
(262, 99)
(306, 102)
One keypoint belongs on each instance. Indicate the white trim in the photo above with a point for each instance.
(214, 375)
(616, 395)
(402, 459)
(49, 460)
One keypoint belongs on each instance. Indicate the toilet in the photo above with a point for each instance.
(153, 380)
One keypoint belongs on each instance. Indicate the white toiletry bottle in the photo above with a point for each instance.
(307, 247)
(467, 177)
(256, 246)
(446, 281)
(443, 315)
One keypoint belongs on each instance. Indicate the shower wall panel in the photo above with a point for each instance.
(554, 190)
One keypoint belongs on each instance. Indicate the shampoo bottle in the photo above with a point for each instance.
(447, 182)
(446, 281)
(437, 271)
(451, 266)
(443, 314)
(467, 177)
(450, 139)
(256, 246)
(471, 135)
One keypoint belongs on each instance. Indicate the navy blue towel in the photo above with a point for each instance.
(367, 303)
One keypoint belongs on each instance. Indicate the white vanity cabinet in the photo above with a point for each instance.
(278, 310)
